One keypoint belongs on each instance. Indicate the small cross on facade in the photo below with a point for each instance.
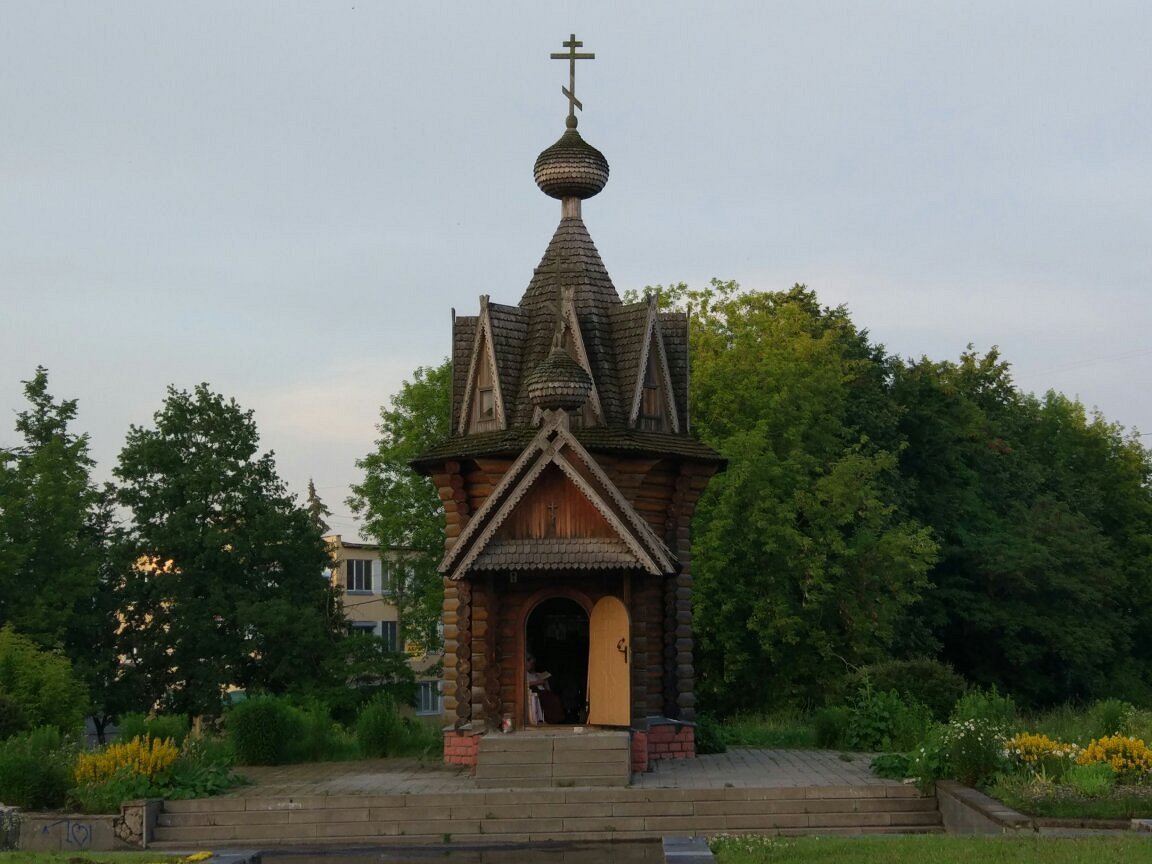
(571, 55)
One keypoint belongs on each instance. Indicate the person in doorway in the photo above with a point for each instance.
(544, 706)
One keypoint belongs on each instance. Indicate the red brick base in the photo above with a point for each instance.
(461, 748)
(671, 740)
(664, 739)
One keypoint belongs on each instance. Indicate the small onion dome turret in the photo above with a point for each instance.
(571, 168)
(559, 382)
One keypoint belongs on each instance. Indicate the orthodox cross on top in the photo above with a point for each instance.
(572, 56)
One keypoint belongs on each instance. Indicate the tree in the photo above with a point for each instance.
(47, 557)
(804, 561)
(226, 586)
(317, 511)
(37, 687)
(1042, 514)
(400, 508)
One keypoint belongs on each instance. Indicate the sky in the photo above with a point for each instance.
(287, 199)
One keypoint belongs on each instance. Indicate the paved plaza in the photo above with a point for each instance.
(738, 768)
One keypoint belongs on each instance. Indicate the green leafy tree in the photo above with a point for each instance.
(399, 508)
(225, 587)
(803, 559)
(40, 683)
(1042, 515)
(317, 510)
(48, 561)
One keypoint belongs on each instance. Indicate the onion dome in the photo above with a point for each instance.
(571, 168)
(559, 382)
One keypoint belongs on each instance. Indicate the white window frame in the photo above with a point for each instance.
(358, 575)
(426, 707)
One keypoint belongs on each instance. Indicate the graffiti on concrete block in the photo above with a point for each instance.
(77, 835)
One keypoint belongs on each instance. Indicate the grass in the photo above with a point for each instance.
(770, 731)
(1062, 802)
(89, 858)
(1129, 849)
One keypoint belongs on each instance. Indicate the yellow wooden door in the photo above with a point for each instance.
(609, 664)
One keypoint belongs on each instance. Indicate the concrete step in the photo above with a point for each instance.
(536, 758)
(544, 814)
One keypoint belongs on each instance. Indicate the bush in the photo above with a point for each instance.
(1111, 717)
(1130, 758)
(379, 730)
(321, 738)
(12, 717)
(832, 726)
(891, 766)
(974, 750)
(41, 683)
(987, 706)
(709, 736)
(884, 721)
(929, 682)
(143, 756)
(264, 730)
(173, 726)
(36, 769)
(1041, 754)
(150, 768)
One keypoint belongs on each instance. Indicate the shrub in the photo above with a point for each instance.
(929, 682)
(41, 683)
(974, 750)
(174, 726)
(36, 769)
(884, 721)
(379, 730)
(149, 768)
(832, 726)
(12, 717)
(892, 766)
(263, 730)
(320, 738)
(987, 706)
(1093, 781)
(1038, 752)
(709, 736)
(1130, 758)
(142, 757)
(1111, 717)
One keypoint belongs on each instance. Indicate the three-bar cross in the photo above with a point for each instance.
(572, 56)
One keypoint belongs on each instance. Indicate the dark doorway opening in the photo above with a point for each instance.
(556, 635)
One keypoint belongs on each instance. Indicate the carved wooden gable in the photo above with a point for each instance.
(555, 508)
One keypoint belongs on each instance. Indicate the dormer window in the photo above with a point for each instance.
(651, 416)
(484, 400)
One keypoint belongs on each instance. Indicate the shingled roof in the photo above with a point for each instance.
(609, 340)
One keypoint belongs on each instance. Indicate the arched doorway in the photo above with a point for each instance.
(556, 636)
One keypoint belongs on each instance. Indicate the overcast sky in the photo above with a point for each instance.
(286, 199)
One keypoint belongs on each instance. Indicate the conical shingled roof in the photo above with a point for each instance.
(571, 285)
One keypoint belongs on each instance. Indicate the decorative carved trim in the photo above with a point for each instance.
(654, 335)
(483, 337)
(544, 450)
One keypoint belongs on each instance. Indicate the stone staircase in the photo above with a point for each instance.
(534, 759)
(521, 816)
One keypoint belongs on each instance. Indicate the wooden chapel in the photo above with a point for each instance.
(569, 484)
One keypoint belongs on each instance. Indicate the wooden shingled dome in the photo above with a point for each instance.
(559, 382)
(571, 168)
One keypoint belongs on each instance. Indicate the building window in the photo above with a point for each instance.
(390, 635)
(363, 628)
(358, 575)
(484, 404)
(428, 697)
